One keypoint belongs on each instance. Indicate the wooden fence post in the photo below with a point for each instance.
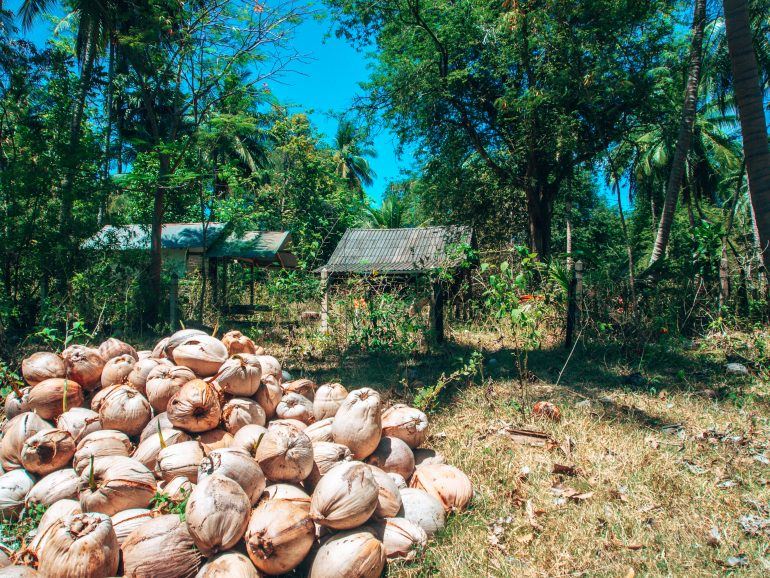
(325, 301)
(173, 300)
(437, 312)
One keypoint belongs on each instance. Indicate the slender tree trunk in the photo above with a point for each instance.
(568, 212)
(724, 273)
(748, 95)
(685, 133)
(156, 256)
(107, 133)
(539, 211)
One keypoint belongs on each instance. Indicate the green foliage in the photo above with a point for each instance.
(15, 532)
(428, 398)
(165, 505)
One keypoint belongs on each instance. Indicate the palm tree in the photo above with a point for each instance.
(350, 154)
(398, 210)
(748, 96)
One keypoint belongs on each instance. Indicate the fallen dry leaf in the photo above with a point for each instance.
(567, 446)
(565, 470)
(529, 437)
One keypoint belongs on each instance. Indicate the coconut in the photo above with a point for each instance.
(176, 339)
(304, 387)
(355, 553)
(14, 486)
(41, 366)
(446, 483)
(405, 423)
(177, 490)
(295, 424)
(160, 421)
(79, 422)
(279, 536)
(160, 548)
(15, 433)
(249, 438)
(217, 514)
(424, 456)
(52, 397)
(215, 439)
(238, 465)
(271, 370)
(229, 565)
(17, 403)
(357, 423)
(326, 455)
(295, 406)
(201, 353)
(320, 431)
(236, 342)
(290, 492)
(112, 348)
(111, 485)
(84, 365)
(80, 545)
(422, 509)
(181, 459)
(163, 382)
(393, 455)
(143, 354)
(269, 396)
(241, 411)
(125, 409)
(59, 485)
(401, 538)
(141, 372)
(127, 521)
(159, 351)
(345, 497)
(100, 444)
(388, 496)
(240, 375)
(98, 397)
(195, 407)
(328, 399)
(285, 454)
(47, 451)
(147, 451)
(117, 370)
(19, 572)
(57, 511)
(399, 480)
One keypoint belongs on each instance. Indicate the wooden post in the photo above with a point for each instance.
(214, 281)
(224, 284)
(325, 301)
(173, 299)
(437, 312)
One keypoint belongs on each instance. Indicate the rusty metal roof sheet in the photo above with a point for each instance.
(398, 251)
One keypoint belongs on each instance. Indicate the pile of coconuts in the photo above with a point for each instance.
(198, 459)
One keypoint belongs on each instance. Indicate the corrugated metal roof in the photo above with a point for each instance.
(395, 251)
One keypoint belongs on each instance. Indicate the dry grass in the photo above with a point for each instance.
(652, 493)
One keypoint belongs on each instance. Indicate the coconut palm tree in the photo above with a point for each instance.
(350, 155)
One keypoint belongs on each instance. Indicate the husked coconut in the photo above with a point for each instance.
(326, 455)
(176, 339)
(17, 402)
(401, 538)
(100, 444)
(14, 486)
(113, 347)
(80, 545)
(84, 366)
(236, 342)
(57, 511)
(328, 399)
(424, 456)
(269, 396)
(98, 397)
(201, 353)
(399, 480)
(295, 406)
(161, 548)
(163, 382)
(388, 496)
(143, 354)
(446, 483)
(160, 421)
(215, 439)
(41, 366)
(405, 423)
(422, 509)
(295, 424)
(125, 409)
(141, 372)
(59, 485)
(127, 521)
(15, 432)
(357, 423)
(180, 459)
(110, 485)
(217, 514)
(195, 408)
(79, 422)
(271, 370)
(147, 451)
(52, 397)
(159, 351)
(393, 455)
(353, 553)
(279, 536)
(229, 565)
(19, 572)
(249, 438)
(177, 490)
(117, 370)
(240, 375)
(238, 465)
(47, 451)
(304, 387)
(241, 411)
(320, 431)
(290, 492)
(345, 497)
(285, 454)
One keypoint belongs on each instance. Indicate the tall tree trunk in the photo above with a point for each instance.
(539, 211)
(107, 133)
(156, 256)
(685, 133)
(724, 272)
(748, 95)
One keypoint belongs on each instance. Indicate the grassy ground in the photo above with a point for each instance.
(657, 456)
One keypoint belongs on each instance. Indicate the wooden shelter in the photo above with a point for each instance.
(405, 252)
